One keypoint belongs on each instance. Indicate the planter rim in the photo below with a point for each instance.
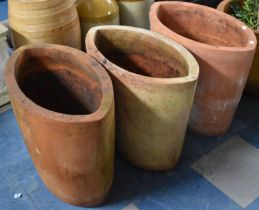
(223, 4)
(252, 41)
(192, 65)
(104, 79)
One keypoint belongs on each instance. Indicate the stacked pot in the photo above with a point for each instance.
(47, 21)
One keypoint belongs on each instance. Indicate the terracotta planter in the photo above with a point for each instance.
(97, 12)
(252, 85)
(224, 49)
(63, 102)
(134, 12)
(45, 21)
(154, 81)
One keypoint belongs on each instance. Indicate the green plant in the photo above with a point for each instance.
(247, 12)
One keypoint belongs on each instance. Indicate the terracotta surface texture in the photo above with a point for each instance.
(154, 82)
(63, 102)
(224, 48)
(252, 85)
(45, 21)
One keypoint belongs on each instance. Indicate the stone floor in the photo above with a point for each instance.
(213, 173)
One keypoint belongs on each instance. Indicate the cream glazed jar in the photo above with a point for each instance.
(134, 12)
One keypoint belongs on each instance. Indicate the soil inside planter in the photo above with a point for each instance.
(56, 87)
(202, 26)
(140, 55)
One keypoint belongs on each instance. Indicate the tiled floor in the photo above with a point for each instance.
(213, 173)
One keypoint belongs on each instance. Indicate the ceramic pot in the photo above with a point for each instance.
(63, 102)
(134, 12)
(154, 82)
(97, 12)
(46, 21)
(3, 59)
(224, 48)
(252, 85)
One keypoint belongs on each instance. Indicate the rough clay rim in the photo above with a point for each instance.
(249, 32)
(192, 65)
(223, 4)
(105, 81)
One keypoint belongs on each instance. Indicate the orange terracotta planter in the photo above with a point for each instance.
(154, 82)
(252, 85)
(224, 48)
(63, 102)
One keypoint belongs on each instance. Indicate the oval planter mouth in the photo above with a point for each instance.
(252, 85)
(154, 82)
(224, 51)
(63, 102)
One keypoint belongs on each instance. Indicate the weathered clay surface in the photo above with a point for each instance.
(154, 81)
(252, 85)
(224, 49)
(63, 102)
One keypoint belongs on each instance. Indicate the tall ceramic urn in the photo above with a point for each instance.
(45, 21)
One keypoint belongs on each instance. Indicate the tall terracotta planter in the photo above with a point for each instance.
(224, 49)
(63, 102)
(252, 85)
(154, 82)
(45, 21)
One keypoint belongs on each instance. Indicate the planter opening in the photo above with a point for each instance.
(202, 26)
(137, 54)
(53, 82)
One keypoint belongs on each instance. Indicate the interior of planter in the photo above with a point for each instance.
(202, 25)
(140, 54)
(53, 79)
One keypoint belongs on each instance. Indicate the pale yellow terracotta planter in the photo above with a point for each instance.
(154, 81)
